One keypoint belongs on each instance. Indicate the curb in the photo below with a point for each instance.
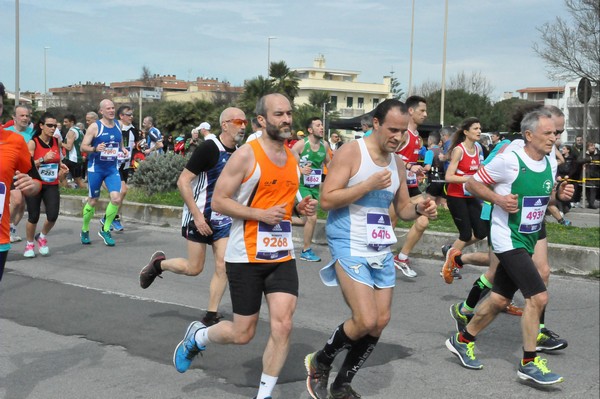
(568, 258)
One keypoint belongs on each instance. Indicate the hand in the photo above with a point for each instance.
(428, 208)
(100, 147)
(201, 225)
(26, 184)
(416, 169)
(49, 156)
(380, 180)
(273, 215)
(64, 170)
(125, 152)
(565, 190)
(306, 170)
(509, 203)
(308, 206)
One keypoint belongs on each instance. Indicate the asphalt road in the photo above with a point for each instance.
(76, 324)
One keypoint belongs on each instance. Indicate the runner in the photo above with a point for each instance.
(102, 141)
(201, 226)
(365, 179)
(257, 189)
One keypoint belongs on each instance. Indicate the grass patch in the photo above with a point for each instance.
(595, 274)
(557, 233)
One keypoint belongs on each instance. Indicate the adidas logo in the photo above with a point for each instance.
(277, 227)
(538, 202)
(381, 220)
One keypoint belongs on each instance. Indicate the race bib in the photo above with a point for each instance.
(314, 179)
(274, 242)
(219, 220)
(380, 233)
(411, 178)
(110, 152)
(2, 199)
(122, 158)
(532, 214)
(48, 172)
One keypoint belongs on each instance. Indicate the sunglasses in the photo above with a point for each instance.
(559, 132)
(51, 125)
(129, 114)
(238, 122)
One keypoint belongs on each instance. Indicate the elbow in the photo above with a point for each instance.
(217, 204)
(325, 204)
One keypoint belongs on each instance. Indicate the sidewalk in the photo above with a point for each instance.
(568, 258)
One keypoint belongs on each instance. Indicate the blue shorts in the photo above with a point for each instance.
(375, 271)
(110, 177)
(191, 233)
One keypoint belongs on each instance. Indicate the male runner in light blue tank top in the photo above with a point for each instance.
(102, 141)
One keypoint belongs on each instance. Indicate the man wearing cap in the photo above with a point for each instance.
(204, 129)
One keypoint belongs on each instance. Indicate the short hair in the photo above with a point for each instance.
(24, 106)
(531, 120)
(383, 108)
(413, 101)
(310, 122)
(92, 114)
(71, 118)
(435, 136)
(261, 104)
(554, 110)
(254, 122)
(122, 109)
(446, 131)
(367, 120)
(519, 113)
(150, 119)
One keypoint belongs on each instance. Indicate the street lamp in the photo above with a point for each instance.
(17, 55)
(45, 80)
(269, 55)
(412, 34)
(443, 97)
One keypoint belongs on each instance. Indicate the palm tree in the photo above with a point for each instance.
(318, 98)
(254, 89)
(284, 80)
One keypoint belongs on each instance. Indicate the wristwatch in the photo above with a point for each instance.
(41, 160)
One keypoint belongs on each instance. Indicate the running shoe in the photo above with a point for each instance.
(85, 238)
(29, 250)
(456, 271)
(566, 222)
(513, 309)
(14, 237)
(116, 225)
(548, 341)
(464, 352)
(404, 266)
(309, 256)
(460, 320)
(450, 265)
(102, 221)
(148, 273)
(42, 245)
(318, 377)
(187, 349)
(108, 240)
(343, 392)
(211, 320)
(537, 371)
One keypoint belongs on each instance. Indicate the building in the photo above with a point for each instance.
(541, 94)
(348, 97)
(206, 89)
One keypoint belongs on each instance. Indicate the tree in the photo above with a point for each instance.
(473, 82)
(318, 97)
(284, 80)
(395, 89)
(302, 114)
(146, 76)
(460, 105)
(254, 89)
(572, 48)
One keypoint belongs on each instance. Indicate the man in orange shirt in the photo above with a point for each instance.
(257, 188)
(14, 161)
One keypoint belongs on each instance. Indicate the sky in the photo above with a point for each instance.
(111, 40)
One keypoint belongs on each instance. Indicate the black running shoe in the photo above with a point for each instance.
(318, 377)
(343, 392)
(548, 341)
(148, 272)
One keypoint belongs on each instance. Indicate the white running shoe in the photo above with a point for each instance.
(404, 267)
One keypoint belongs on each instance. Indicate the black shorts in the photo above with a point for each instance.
(125, 173)
(249, 281)
(517, 271)
(75, 168)
(436, 190)
(191, 233)
(413, 191)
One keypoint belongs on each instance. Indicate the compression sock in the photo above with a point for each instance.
(528, 357)
(356, 357)
(465, 337)
(88, 214)
(335, 344)
(543, 318)
(111, 212)
(481, 286)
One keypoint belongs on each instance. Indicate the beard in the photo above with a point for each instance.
(278, 133)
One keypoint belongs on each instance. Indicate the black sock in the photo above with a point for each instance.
(529, 356)
(459, 261)
(478, 291)
(543, 316)
(117, 217)
(157, 267)
(356, 357)
(210, 315)
(336, 343)
(466, 337)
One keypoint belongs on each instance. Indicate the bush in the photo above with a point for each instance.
(159, 174)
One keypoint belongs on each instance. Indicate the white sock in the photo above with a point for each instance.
(401, 256)
(42, 235)
(201, 337)
(267, 383)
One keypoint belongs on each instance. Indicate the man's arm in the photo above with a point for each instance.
(86, 143)
(185, 188)
(69, 140)
(403, 206)
(235, 171)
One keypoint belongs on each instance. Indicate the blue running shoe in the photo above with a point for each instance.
(464, 352)
(538, 372)
(460, 319)
(309, 256)
(187, 349)
(85, 238)
(102, 221)
(116, 225)
(108, 240)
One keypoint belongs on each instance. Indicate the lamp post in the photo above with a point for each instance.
(443, 97)
(17, 56)
(269, 55)
(45, 80)
(412, 33)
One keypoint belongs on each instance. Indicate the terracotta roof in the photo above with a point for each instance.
(559, 89)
